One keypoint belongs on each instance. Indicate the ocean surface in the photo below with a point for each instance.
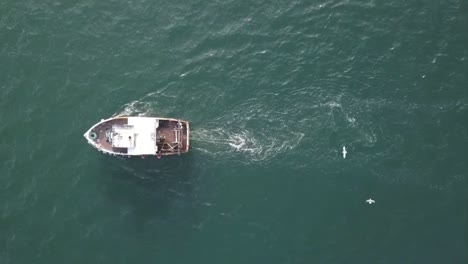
(273, 90)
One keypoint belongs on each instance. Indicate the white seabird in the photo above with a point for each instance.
(370, 201)
(344, 152)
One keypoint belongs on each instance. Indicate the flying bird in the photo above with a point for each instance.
(344, 152)
(370, 201)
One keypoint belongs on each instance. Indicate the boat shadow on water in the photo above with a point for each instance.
(150, 191)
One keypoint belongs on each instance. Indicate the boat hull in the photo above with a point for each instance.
(140, 136)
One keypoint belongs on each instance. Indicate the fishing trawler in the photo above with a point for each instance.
(129, 136)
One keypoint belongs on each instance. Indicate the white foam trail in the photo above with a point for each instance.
(250, 146)
(135, 108)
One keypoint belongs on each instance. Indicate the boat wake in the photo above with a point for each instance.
(136, 108)
(244, 146)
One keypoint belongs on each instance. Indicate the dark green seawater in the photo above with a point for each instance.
(273, 89)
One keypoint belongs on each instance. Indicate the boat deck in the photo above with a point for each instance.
(102, 129)
(170, 139)
(166, 139)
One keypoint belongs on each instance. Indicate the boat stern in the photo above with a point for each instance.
(188, 136)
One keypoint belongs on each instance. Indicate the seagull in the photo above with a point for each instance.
(370, 201)
(344, 152)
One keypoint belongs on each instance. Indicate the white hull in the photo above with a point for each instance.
(140, 136)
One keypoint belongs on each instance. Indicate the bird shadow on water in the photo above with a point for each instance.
(150, 192)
